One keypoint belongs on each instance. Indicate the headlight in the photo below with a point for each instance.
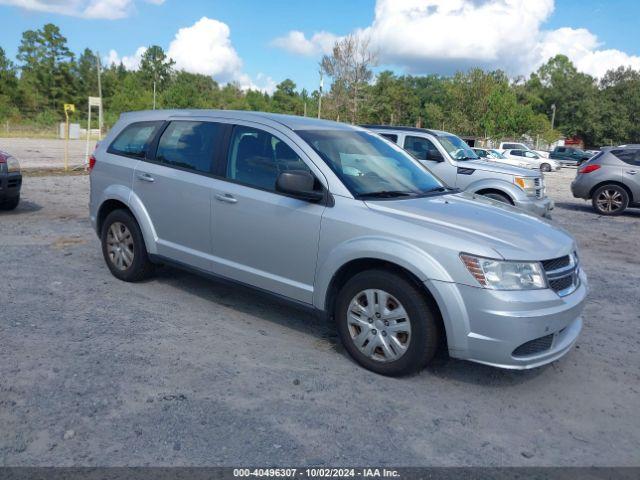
(528, 184)
(13, 165)
(505, 275)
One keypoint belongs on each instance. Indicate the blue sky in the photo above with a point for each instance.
(411, 36)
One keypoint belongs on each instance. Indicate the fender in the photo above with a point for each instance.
(395, 251)
(130, 199)
(510, 189)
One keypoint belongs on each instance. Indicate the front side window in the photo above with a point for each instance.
(457, 148)
(421, 148)
(369, 166)
(481, 153)
(496, 154)
(529, 154)
(189, 145)
(256, 158)
(134, 139)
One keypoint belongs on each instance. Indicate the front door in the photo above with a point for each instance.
(175, 188)
(262, 237)
(426, 151)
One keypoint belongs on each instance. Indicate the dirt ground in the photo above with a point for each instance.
(47, 153)
(180, 370)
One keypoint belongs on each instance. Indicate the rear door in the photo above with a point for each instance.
(175, 187)
(262, 237)
(630, 170)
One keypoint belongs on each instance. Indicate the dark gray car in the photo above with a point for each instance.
(611, 180)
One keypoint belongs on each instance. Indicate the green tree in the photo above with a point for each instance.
(156, 67)
(286, 99)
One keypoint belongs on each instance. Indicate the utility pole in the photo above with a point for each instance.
(553, 115)
(154, 94)
(99, 95)
(320, 96)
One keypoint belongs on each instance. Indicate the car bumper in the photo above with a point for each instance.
(487, 326)
(10, 185)
(541, 207)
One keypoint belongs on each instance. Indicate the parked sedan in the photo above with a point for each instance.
(10, 181)
(611, 180)
(491, 155)
(533, 160)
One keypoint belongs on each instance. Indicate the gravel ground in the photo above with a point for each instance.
(46, 153)
(180, 370)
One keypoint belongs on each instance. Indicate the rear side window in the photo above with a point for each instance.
(189, 145)
(256, 158)
(390, 136)
(632, 156)
(134, 140)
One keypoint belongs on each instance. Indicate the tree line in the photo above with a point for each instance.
(486, 104)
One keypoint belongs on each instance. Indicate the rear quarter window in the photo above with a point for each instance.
(134, 140)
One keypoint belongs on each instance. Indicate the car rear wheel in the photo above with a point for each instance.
(386, 323)
(123, 247)
(610, 200)
(10, 204)
(545, 167)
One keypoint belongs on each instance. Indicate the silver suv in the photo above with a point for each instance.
(337, 219)
(457, 165)
(611, 180)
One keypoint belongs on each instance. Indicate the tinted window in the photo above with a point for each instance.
(517, 153)
(508, 146)
(256, 158)
(560, 149)
(134, 139)
(420, 147)
(188, 145)
(631, 157)
(456, 147)
(390, 136)
(481, 153)
(370, 167)
(529, 154)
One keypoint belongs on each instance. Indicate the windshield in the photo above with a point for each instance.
(496, 154)
(456, 147)
(370, 166)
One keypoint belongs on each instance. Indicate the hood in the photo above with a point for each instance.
(482, 223)
(498, 168)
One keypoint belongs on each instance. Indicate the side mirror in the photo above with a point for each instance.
(434, 155)
(298, 184)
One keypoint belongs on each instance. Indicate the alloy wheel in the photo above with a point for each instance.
(379, 325)
(120, 246)
(609, 200)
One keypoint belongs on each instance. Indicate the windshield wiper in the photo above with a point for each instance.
(387, 194)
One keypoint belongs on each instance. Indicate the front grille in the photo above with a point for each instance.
(534, 346)
(539, 184)
(556, 263)
(14, 182)
(562, 274)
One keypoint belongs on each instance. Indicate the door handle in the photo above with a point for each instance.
(227, 198)
(632, 172)
(145, 177)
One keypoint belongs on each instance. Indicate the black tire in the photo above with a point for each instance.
(619, 200)
(424, 322)
(545, 167)
(140, 267)
(10, 204)
(500, 197)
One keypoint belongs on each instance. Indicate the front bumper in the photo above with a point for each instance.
(487, 326)
(541, 207)
(10, 185)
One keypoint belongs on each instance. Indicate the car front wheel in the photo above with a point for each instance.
(610, 200)
(123, 247)
(545, 167)
(386, 323)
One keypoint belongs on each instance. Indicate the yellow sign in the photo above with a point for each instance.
(69, 107)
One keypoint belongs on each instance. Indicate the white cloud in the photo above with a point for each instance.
(130, 62)
(104, 9)
(443, 36)
(296, 42)
(205, 47)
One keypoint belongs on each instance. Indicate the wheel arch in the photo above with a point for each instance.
(119, 197)
(485, 191)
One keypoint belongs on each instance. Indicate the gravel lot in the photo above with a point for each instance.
(180, 370)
